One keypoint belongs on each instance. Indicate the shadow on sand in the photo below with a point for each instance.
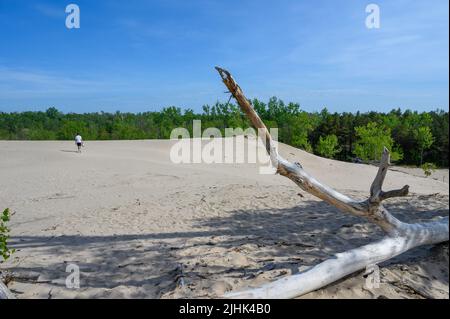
(151, 264)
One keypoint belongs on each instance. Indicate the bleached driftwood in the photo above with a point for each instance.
(4, 292)
(399, 238)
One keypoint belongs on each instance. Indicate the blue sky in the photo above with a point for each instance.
(141, 55)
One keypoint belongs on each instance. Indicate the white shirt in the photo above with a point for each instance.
(78, 139)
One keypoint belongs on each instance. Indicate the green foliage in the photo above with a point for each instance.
(371, 139)
(5, 251)
(428, 168)
(412, 137)
(424, 139)
(70, 128)
(328, 146)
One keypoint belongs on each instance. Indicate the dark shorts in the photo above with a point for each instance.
(79, 144)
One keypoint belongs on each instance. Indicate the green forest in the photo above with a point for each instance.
(413, 138)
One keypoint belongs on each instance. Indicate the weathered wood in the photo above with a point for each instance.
(5, 293)
(400, 236)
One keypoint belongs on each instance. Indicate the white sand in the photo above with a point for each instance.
(139, 226)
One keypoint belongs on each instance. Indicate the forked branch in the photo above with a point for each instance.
(399, 236)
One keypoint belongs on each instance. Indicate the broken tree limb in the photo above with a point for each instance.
(400, 236)
(4, 292)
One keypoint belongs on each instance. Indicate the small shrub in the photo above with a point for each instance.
(5, 251)
(428, 168)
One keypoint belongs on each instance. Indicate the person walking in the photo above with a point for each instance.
(79, 142)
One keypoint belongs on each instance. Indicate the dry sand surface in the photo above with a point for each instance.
(140, 226)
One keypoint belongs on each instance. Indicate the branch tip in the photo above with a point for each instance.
(404, 191)
(385, 157)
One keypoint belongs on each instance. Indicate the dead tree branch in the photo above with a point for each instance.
(400, 236)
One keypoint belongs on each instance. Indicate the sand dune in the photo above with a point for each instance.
(140, 226)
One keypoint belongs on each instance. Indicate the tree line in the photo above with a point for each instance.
(414, 138)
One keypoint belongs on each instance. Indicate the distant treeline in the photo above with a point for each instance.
(413, 138)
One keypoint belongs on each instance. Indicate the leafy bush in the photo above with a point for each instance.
(328, 146)
(5, 251)
(428, 168)
(372, 138)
